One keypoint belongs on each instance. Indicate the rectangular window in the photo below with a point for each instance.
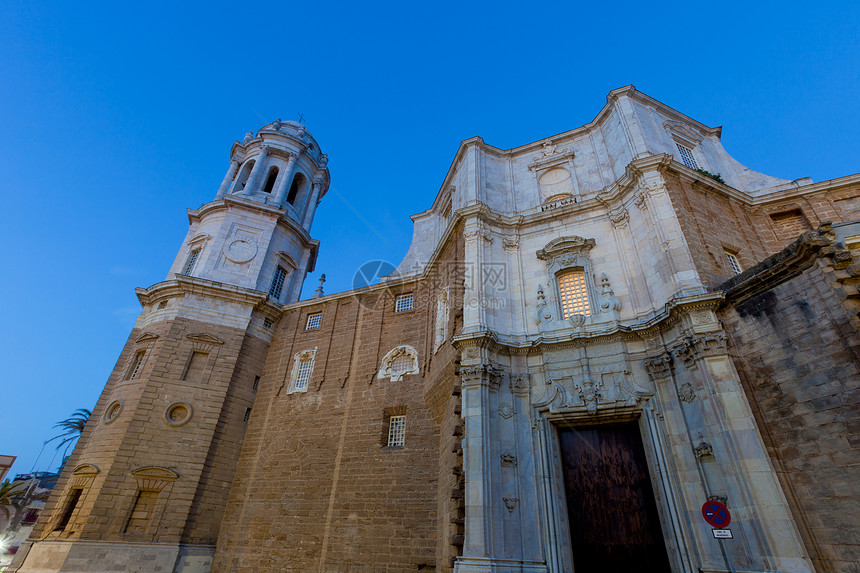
(74, 497)
(141, 511)
(194, 370)
(247, 415)
(687, 156)
(313, 321)
(573, 294)
(734, 265)
(256, 383)
(396, 431)
(304, 375)
(189, 264)
(278, 282)
(134, 367)
(403, 303)
(267, 323)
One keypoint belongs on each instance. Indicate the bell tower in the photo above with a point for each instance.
(147, 484)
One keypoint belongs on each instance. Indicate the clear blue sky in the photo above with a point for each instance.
(116, 118)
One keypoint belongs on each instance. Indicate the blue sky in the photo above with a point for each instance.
(116, 118)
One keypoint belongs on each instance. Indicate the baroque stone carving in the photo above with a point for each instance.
(686, 393)
(510, 503)
(506, 410)
(720, 498)
(565, 249)
(484, 375)
(693, 348)
(704, 450)
(508, 458)
(659, 366)
(398, 362)
(519, 383)
(608, 301)
(544, 312)
(510, 243)
(589, 394)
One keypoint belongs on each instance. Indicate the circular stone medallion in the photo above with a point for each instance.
(241, 250)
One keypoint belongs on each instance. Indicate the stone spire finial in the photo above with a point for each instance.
(319, 292)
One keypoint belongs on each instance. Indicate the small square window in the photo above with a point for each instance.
(734, 264)
(396, 431)
(403, 303)
(313, 321)
(687, 156)
(267, 322)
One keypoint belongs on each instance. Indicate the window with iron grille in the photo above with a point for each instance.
(403, 363)
(189, 264)
(247, 415)
(403, 303)
(134, 368)
(734, 264)
(313, 321)
(267, 323)
(396, 431)
(573, 294)
(306, 366)
(256, 383)
(278, 282)
(687, 156)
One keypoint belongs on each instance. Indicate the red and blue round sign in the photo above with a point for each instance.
(716, 514)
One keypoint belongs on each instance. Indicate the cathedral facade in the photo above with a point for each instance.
(590, 337)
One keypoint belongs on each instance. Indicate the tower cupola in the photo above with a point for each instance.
(283, 166)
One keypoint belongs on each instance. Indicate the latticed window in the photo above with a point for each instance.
(687, 156)
(189, 264)
(733, 263)
(396, 430)
(135, 366)
(313, 321)
(573, 294)
(401, 364)
(403, 302)
(306, 365)
(278, 282)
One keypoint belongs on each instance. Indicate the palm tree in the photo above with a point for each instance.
(10, 496)
(73, 426)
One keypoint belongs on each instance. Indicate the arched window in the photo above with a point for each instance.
(298, 180)
(270, 180)
(243, 176)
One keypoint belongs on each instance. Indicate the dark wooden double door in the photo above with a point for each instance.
(614, 526)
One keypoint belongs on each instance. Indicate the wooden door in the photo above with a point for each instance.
(614, 526)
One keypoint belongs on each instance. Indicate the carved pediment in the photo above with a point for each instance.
(85, 470)
(287, 260)
(146, 337)
(683, 132)
(204, 338)
(157, 472)
(565, 245)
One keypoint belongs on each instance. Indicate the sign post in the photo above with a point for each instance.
(717, 515)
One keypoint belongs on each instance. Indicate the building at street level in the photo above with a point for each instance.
(590, 336)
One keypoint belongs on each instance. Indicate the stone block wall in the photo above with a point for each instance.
(318, 486)
(714, 222)
(795, 340)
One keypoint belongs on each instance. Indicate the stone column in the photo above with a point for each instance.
(225, 184)
(311, 205)
(286, 179)
(255, 172)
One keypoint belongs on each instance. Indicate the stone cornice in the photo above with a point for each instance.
(670, 314)
(183, 285)
(778, 268)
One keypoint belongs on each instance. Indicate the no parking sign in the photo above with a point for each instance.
(716, 514)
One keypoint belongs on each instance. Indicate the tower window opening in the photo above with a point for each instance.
(74, 497)
(278, 282)
(687, 156)
(573, 294)
(294, 189)
(397, 431)
(247, 416)
(314, 321)
(189, 264)
(270, 180)
(403, 303)
(243, 176)
(134, 368)
(256, 383)
(141, 511)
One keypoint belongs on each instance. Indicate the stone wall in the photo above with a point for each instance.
(794, 333)
(318, 486)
